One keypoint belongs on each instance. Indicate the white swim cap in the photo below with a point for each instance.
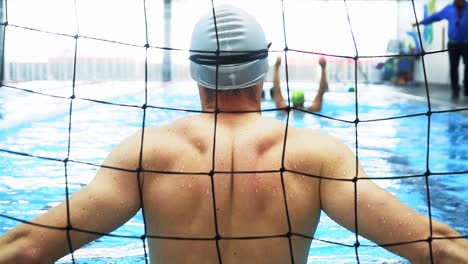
(242, 60)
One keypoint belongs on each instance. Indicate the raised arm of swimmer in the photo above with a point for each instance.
(316, 105)
(277, 95)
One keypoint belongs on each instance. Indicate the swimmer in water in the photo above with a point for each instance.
(251, 165)
(297, 96)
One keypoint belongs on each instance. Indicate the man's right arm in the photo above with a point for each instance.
(381, 217)
(437, 16)
(316, 105)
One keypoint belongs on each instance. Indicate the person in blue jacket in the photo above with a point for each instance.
(456, 14)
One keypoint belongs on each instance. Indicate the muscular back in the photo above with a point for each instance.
(248, 203)
(249, 210)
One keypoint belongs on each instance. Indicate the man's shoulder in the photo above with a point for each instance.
(176, 127)
(316, 141)
(312, 133)
(449, 7)
(179, 132)
(294, 132)
(150, 136)
(193, 124)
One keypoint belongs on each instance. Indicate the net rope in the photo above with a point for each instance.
(212, 173)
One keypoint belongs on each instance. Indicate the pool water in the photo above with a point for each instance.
(388, 148)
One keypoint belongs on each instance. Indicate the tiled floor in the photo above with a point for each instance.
(439, 94)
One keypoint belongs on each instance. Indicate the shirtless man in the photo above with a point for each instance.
(248, 203)
(297, 96)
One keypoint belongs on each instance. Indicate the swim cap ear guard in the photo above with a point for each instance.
(228, 50)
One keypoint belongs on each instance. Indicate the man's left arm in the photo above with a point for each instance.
(380, 216)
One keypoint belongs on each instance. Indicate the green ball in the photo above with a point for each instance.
(297, 97)
(351, 89)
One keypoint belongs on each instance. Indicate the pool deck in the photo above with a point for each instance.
(440, 95)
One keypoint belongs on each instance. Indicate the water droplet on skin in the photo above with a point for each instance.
(409, 233)
(190, 185)
(369, 205)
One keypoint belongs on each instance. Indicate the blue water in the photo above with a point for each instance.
(30, 186)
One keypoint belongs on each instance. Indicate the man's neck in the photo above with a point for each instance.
(230, 105)
(243, 101)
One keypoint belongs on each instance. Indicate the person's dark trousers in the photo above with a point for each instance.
(457, 50)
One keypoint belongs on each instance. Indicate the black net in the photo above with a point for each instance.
(217, 59)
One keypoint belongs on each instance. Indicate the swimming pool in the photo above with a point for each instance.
(39, 126)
